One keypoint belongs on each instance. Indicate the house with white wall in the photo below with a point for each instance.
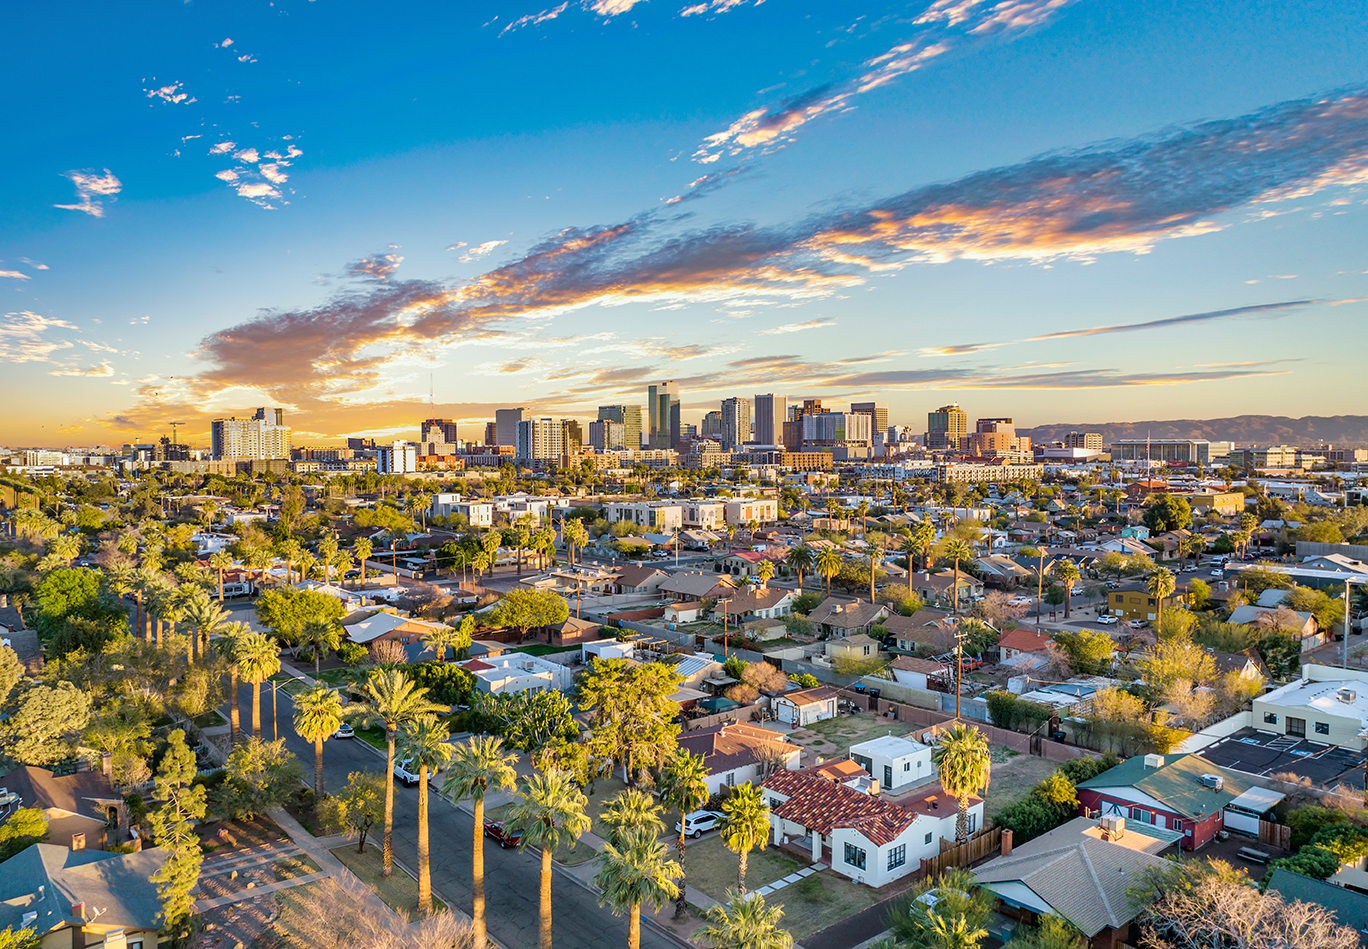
(1327, 705)
(897, 763)
(517, 672)
(805, 706)
(736, 753)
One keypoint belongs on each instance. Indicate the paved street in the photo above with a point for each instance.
(511, 891)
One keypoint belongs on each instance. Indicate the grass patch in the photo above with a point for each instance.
(398, 891)
(712, 868)
(846, 730)
(293, 867)
(374, 737)
(816, 902)
(544, 650)
(209, 719)
(1013, 780)
(336, 677)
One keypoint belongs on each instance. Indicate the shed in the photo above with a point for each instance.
(1244, 813)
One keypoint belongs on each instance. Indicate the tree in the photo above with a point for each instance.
(439, 639)
(631, 810)
(289, 612)
(1161, 584)
(317, 715)
(355, 808)
(261, 775)
(44, 722)
(322, 635)
(527, 609)
(744, 922)
(423, 741)
(393, 700)
(1089, 651)
(799, 560)
(363, 548)
(962, 761)
(173, 827)
(549, 809)
(957, 550)
(1199, 593)
(535, 722)
(828, 564)
(478, 765)
(1066, 572)
(957, 896)
(953, 932)
(338, 913)
(26, 826)
(258, 658)
(924, 535)
(19, 939)
(683, 788)
(227, 647)
(204, 616)
(1175, 660)
(220, 560)
(746, 826)
(1167, 513)
(637, 871)
(632, 712)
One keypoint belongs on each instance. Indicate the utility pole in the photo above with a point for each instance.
(959, 666)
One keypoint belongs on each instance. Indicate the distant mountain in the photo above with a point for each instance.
(1348, 431)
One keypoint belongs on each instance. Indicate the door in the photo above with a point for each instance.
(1296, 727)
(888, 776)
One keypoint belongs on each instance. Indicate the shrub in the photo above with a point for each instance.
(1312, 862)
(353, 654)
(1307, 821)
(1008, 711)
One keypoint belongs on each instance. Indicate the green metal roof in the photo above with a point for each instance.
(1177, 783)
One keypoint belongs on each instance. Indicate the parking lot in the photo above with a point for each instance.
(1260, 753)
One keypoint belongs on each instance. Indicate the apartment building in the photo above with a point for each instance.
(660, 517)
(736, 422)
(745, 510)
(662, 405)
(770, 413)
(506, 426)
(705, 515)
(945, 427)
(264, 435)
(629, 417)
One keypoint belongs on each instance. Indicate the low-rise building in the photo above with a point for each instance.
(1327, 705)
(942, 589)
(923, 631)
(1133, 601)
(895, 762)
(913, 672)
(736, 753)
(659, 516)
(838, 616)
(752, 603)
(370, 626)
(82, 809)
(517, 672)
(805, 706)
(1024, 646)
(856, 646)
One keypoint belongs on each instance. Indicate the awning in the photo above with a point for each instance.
(1257, 801)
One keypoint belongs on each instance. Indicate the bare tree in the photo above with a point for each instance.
(996, 607)
(344, 914)
(770, 757)
(388, 652)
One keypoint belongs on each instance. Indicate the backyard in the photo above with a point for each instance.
(1013, 777)
(834, 736)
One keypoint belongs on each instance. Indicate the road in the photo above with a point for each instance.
(511, 887)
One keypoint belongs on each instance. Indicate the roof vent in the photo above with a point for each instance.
(1154, 761)
(29, 918)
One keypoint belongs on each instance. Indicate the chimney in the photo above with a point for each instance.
(1006, 843)
(78, 841)
(107, 765)
(78, 910)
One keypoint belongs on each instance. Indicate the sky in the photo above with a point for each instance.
(1055, 210)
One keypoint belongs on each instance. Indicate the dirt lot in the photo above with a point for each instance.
(1012, 780)
(833, 737)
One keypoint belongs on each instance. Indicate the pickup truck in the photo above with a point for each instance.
(402, 772)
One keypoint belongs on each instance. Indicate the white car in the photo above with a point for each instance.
(1137, 624)
(344, 731)
(1106, 619)
(1020, 601)
(1218, 573)
(698, 822)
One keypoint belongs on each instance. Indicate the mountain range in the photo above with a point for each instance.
(1348, 431)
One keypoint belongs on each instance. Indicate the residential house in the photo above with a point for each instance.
(924, 631)
(940, 588)
(843, 616)
(1183, 793)
(23, 641)
(858, 646)
(862, 836)
(517, 672)
(751, 603)
(804, 706)
(897, 763)
(736, 753)
(746, 563)
(1024, 647)
(696, 585)
(1300, 624)
(83, 897)
(1247, 664)
(1133, 601)
(685, 611)
(370, 626)
(1080, 874)
(1002, 573)
(572, 631)
(1348, 907)
(83, 809)
(640, 579)
(913, 672)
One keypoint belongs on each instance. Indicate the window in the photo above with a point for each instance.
(1296, 727)
(973, 823)
(1143, 816)
(907, 765)
(731, 779)
(1322, 728)
(1177, 824)
(928, 839)
(897, 856)
(855, 856)
(1270, 718)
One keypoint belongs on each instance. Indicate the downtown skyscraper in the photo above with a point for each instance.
(663, 414)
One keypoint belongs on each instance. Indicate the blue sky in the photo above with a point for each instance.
(208, 206)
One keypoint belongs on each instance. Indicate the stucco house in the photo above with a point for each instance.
(82, 809)
(805, 706)
(838, 616)
(736, 753)
(517, 672)
(895, 762)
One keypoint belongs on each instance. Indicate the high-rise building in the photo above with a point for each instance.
(736, 422)
(398, 458)
(264, 435)
(540, 439)
(994, 436)
(572, 439)
(878, 411)
(825, 429)
(945, 427)
(630, 418)
(793, 428)
(663, 406)
(712, 425)
(491, 433)
(607, 435)
(1089, 440)
(771, 411)
(438, 436)
(506, 425)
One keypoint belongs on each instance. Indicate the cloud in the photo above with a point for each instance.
(98, 347)
(103, 371)
(260, 182)
(13, 275)
(478, 251)
(90, 183)
(172, 94)
(798, 327)
(712, 6)
(1255, 309)
(532, 19)
(380, 267)
(23, 337)
(611, 7)
(222, 148)
(456, 246)
(34, 264)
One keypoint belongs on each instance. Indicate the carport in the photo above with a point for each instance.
(1243, 814)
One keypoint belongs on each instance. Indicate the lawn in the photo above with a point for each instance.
(337, 677)
(374, 736)
(712, 868)
(543, 649)
(1013, 779)
(292, 867)
(399, 891)
(816, 902)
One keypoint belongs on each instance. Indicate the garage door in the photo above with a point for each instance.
(1241, 822)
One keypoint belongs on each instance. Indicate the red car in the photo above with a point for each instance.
(506, 839)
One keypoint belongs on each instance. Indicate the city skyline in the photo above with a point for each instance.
(1065, 212)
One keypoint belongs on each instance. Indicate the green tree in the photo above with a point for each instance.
(423, 741)
(637, 871)
(1161, 584)
(799, 560)
(322, 635)
(317, 715)
(683, 788)
(439, 639)
(44, 722)
(19, 939)
(632, 712)
(954, 932)
(744, 922)
(828, 565)
(393, 700)
(220, 561)
(26, 826)
(1167, 512)
(289, 612)
(961, 757)
(173, 827)
(258, 658)
(226, 645)
(549, 810)
(1089, 651)
(536, 722)
(261, 775)
(629, 810)
(356, 807)
(745, 827)
(479, 765)
(528, 609)
(957, 550)
(1066, 572)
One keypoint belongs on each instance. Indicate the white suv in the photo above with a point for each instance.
(699, 821)
(402, 772)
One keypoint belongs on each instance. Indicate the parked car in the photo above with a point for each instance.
(697, 823)
(1020, 601)
(344, 731)
(402, 772)
(494, 829)
(1218, 573)
(1137, 624)
(1106, 619)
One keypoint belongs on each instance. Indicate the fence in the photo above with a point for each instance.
(988, 843)
(1277, 835)
(746, 713)
(1026, 744)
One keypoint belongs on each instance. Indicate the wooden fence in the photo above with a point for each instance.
(1277, 835)
(985, 844)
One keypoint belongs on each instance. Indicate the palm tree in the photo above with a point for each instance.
(925, 535)
(424, 742)
(630, 810)
(961, 759)
(321, 635)
(439, 639)
(1161, 584)
(221, 560)
(828, 565)
(575, 535)
(799, 560)
(957, 550)
(317, 714)
(491, 541)
(479, 764)
(746, 826)
(744, 922)
(1066, 572)
(258, 658)
(123, 579)
(393, 700)
(954, 935)
(634, 872)
(205, 617)
(765, 573)
(683, 788)
(364, 548)
(549, 809)
(227, 646)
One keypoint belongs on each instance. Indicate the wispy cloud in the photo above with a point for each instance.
(1257, 309)
(532, 19)
(34, 264)
(103, 371)
(13, 275)
(478, 251)
(24, 337)
(798, 327)
(174, 93)
(89, 185)
(380, 267)
(714, 6)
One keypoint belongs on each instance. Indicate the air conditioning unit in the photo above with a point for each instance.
(1113, 825)
(1347, 695)
(1214, 781)
(1154, 761)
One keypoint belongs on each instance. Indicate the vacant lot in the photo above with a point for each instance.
(1013, 779)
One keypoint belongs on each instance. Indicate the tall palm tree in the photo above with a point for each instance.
(925, 535)
(258, 658)
(746, 826)
(205, 617)
(479, 765)
(828, 565)
(491, 541)
(630, 810)
(424, 741)
(1066, 572)
(1161, 584)
(123, 579)
(634, 872)
(799, 560)
(364, 548)
(684, 789)
(744, 922)
(393, 700)
(321, 635)
(439, 639)
(221, 560)
(549, 809)
(961, 759)
(957, 550)
(227, 646)
(575, 535)
(317, 714)
(765, 573)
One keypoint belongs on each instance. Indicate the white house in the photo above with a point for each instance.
(477, 513)
(805, 706)
(911, 671)
(517, 672)
(735, 753)
(896, 762)
(1326, 705)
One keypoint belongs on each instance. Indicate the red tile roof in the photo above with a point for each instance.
(823, 806)
(1026, 640)
(476, 665)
